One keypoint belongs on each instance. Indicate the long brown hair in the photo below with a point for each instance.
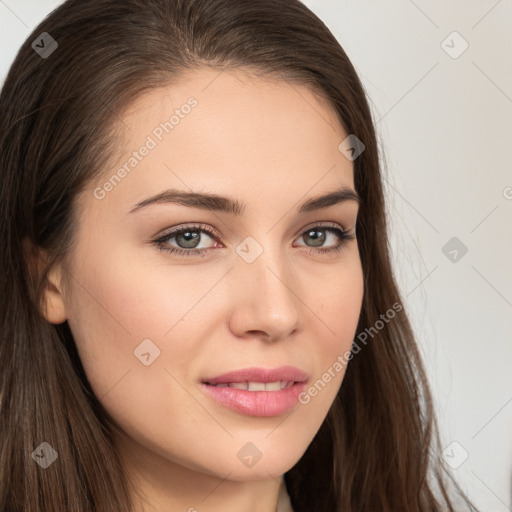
(378, 448)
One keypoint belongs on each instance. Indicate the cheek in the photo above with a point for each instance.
(337, 304)
(128, 311)
(332, 319)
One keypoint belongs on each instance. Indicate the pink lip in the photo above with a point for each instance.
(287, 373)
(257, 403)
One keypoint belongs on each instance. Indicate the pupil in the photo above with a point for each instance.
(191, 239)
(317, 239)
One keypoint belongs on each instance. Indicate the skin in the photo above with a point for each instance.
(271, 145)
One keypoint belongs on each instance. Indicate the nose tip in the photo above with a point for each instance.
(264, 306)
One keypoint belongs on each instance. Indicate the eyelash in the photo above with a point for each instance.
(160, 243)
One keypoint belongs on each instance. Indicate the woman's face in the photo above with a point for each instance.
(151, 325)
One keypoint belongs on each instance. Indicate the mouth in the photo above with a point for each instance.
(257, 391)
(256, 386)
(254, 378)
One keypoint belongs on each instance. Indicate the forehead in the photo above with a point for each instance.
(235, 87)
(231, 133)
(235, 109)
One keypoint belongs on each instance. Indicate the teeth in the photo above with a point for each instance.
(258, 386)
(238, 385)
(271, 386)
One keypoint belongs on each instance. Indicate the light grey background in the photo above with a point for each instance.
(445, 130)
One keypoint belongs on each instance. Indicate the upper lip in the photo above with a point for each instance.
(283, 373)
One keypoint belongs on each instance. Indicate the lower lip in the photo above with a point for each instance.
(256, 403)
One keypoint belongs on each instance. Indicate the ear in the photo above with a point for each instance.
(53, 305)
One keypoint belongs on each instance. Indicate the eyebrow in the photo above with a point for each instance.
(232, 206)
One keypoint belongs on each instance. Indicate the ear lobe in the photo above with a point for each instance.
(53, 304)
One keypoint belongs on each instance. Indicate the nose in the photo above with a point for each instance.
(265, 302)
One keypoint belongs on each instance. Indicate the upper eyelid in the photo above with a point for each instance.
(212, 232)
(173, 231)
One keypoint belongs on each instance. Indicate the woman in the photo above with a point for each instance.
(200, 310)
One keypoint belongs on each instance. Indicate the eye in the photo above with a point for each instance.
(318, 235)
(190, 237)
